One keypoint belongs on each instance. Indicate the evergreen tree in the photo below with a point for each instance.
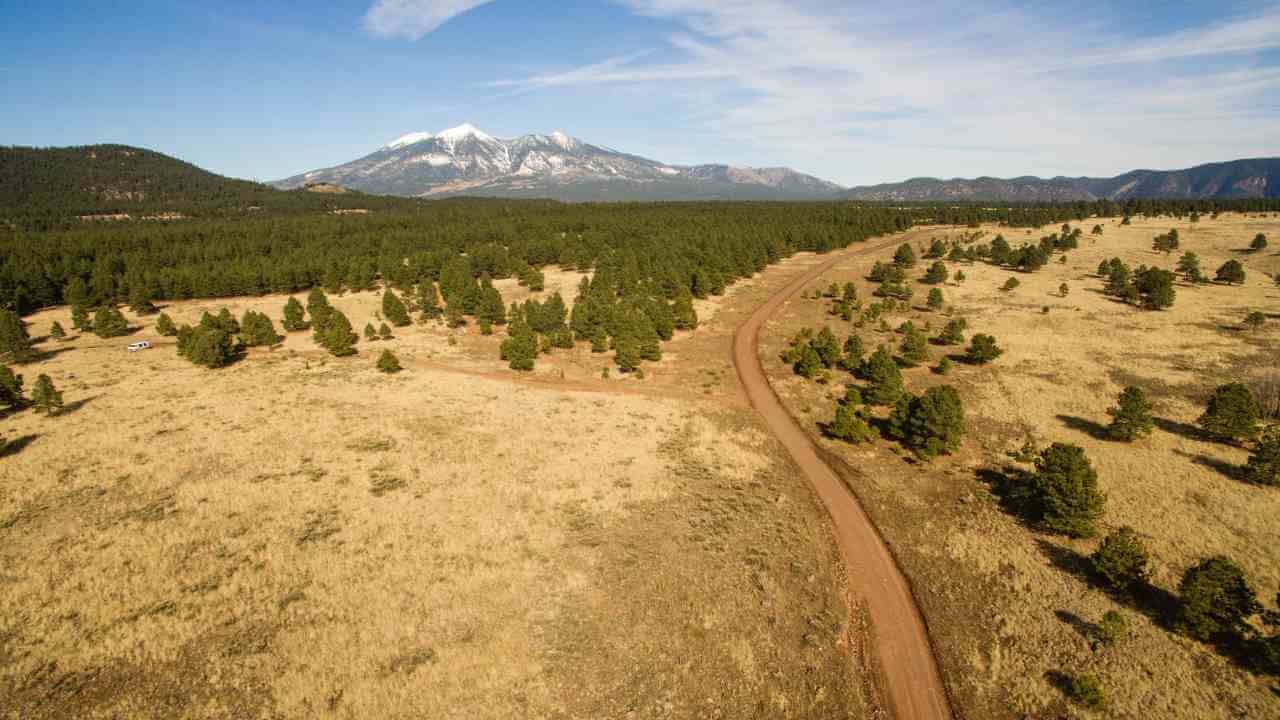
(388, 362)
(428, 300)
(884, 379)
(369, 333)
(1189, 266)
(11, 397)
(256, 329)
(853, 352)
(1232, 413)
(1259, 243)
(1263, 467)
(935, 300)
(384, 332)
(686, 318)
(851, 424)
(210, 346)
(294, 319)
(109, 322)
(334, 334)
(317, 306)
(982, 349)
(914, 348)
(453, 315)
(56, 332)
(1214, 598)
(936, 274)
(931, 424)
(140, 299)
(393, 308)
(76, 294)
(45, 398)
(1010, 285)
(491, 307)
(1065, 491)
(953, 332)
(165, 326)
(936, 249)
(1131, 418)
(15, 342)
(904, 256)
(808, 362)
(1231, 272)
(80, 318)
(1155, 288)
(227, 322)
(1121, 560)
(1254, 320)
(521, 347)
(827, 347)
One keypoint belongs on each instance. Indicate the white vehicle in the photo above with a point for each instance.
(142, 345)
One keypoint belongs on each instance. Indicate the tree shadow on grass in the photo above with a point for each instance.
(1174, 427)
(75, 406)
(1097, 431)
(1230, 470)
(1086, 629)
(16, 445)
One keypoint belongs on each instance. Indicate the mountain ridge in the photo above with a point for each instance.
(466, 160)
(1244, 178)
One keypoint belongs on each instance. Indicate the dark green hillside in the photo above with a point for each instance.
(46, 188)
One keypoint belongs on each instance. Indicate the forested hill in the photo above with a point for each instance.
(44, 188)
(1237, 179)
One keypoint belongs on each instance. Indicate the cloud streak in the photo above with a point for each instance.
(414, 19)
(897, 88)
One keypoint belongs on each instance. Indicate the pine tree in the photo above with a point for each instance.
(317, 306)
(1231, 272)
(953, 332)
(80, 318)
(851, 425)
(808, 362)
(1065, 490)
(1214, 598)
(369, 333)
(883, 377)
(935, 300)
(165, 326)
(428, 300)
(227, 322)
(853, 352)
(1263, 466)
(1259, 243)
(914, 348)
(1189, 266)
(388, 362)
(936, 274)
(45, 398)
(1155, 288)
(1232, 413)
(15, 342)
(521, 347)
(140, 299)
(393, 308)
(686, 318)
(384, 332)
(904, 256)
(982, 349)
(826, 346)
(256, 329)
(335, 334)
(11, 397)
(491, 307)
(294, 319)
(1131, 418)
(931, 424)
(109, 322)
(1121, 560)
(208, 346)
(56, 332)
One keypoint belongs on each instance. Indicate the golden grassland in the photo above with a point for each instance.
(1008, 607)
(301, 536)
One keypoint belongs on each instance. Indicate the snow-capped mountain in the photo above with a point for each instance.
(466, 161)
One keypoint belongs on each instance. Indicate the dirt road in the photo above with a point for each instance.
(909, 673)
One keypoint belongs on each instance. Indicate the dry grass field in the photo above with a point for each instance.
(301, 536)
(1008, 607)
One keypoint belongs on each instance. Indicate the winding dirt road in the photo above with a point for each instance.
(909, 673)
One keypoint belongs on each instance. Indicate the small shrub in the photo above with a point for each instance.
(388, 362)
(983, 349)
(851, 425)
(1255, 320)
(1113, 628)
(1086, 690)
(1010, 285)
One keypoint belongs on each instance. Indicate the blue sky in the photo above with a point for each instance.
(852, 92)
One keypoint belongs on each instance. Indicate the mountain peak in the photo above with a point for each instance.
(563, 140)
(464, 130)
(409, 139)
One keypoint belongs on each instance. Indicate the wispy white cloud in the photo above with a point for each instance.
(413, 19)
(898, 88)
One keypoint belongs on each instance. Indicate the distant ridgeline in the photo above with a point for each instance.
(120, 219)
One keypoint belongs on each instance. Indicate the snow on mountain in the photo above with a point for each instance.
(466, 160)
